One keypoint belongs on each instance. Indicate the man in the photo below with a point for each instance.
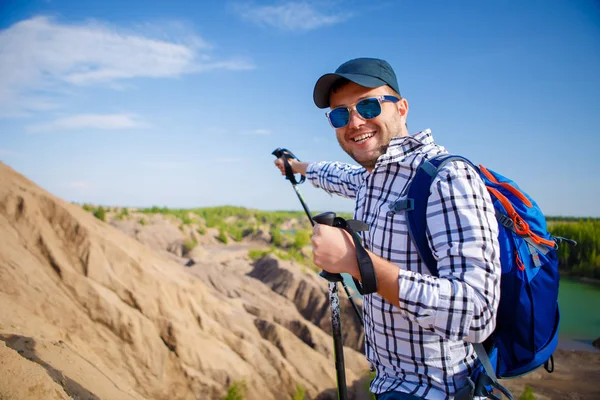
(418, 328)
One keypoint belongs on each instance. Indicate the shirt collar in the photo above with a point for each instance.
(402, 146)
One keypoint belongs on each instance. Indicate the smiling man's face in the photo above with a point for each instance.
(366, 139)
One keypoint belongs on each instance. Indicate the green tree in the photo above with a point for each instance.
(582, 259)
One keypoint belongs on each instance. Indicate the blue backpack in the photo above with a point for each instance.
(527, 322)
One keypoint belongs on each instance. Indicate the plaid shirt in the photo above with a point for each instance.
(423, 347)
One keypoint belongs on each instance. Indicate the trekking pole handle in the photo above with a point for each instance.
(365, 264)
(289, 173)
(327, 218)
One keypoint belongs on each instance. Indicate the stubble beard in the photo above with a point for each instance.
(371, 161)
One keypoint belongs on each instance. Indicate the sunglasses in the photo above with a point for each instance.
(367, 108)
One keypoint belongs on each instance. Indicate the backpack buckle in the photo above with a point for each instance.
(402, 204)
(505, 220)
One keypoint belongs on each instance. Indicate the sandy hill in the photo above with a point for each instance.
(93, 310)
(89, 312)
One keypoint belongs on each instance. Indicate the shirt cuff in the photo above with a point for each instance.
(312, 173)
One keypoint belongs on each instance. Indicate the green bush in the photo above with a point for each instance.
(223, 238)
(289, 255)
(300, 393)
(185, 219)
(123, 214)
(276, 236)
(236, 232)
(301, 239)
(527, 394)
(100, 213)
(236, 391)
(155, 210)
(256, 254)
(201, 231)
(211, 222)
(189, 245)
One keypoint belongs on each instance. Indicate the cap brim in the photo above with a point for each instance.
(324, 84)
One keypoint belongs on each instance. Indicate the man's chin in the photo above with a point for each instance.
(368, 160)
(365, 162)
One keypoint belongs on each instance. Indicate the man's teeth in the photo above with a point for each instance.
(364, 137)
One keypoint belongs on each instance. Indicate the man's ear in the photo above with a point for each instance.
(402, 106)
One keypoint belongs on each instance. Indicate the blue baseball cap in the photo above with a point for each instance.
(367, 72)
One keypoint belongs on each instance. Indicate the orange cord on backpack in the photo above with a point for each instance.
(506, 185)
(521, 227)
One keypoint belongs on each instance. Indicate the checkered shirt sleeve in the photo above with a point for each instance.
(336, 177)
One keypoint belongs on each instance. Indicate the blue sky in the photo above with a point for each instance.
(181, 103)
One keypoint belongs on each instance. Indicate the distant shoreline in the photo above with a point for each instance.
(589, 280)
(581, 279)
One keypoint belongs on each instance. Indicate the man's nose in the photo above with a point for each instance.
(355, 120)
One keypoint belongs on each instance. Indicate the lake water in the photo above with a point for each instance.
(579, 309)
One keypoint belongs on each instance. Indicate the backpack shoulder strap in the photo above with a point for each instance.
(415, 204)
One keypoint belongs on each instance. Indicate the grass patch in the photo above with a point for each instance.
(222, 237)
(236, 391)
(189, 245)
(527, 394)
(300, 393)
(290, 254)
(100, 213)
(257, 254)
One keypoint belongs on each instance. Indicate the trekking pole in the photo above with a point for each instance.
(336, 323)
(333, 279)
(289, 175)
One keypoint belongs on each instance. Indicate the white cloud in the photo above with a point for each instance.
(90, 121)
(291, 16)
(42, 58)
(257, 132)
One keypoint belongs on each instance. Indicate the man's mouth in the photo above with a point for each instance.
(363, 138)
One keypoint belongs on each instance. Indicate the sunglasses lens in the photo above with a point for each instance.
(339, 117)
(368, 108)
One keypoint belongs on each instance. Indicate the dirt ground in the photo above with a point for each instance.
(576, 376)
